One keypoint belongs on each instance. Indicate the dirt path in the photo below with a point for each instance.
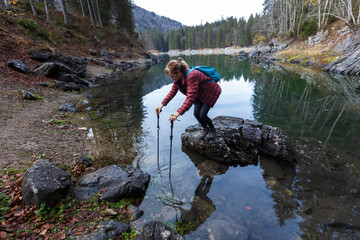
(24, 136)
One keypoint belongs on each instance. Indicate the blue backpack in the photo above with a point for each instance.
(208, 71)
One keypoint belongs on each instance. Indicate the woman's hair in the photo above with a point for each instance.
(176, 66)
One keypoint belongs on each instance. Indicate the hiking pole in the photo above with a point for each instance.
(158, 133)
(171, 137)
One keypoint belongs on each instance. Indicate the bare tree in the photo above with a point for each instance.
(47, 11)
(98, 8)
(91, 14)
(33, 8)
(65, 13)
(82, 8)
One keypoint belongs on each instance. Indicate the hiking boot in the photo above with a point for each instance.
(211, 135)
(204, 133)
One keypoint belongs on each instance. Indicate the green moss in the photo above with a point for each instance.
(57, 121)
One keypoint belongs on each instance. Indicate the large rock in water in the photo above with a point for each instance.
(239, 141)
(155, 230)
(114, 182)
(44, 182)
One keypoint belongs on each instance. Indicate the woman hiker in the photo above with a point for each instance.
(199, 90)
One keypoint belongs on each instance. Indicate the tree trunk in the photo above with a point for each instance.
(47, 11)
(6, 3)
(94, 11)
(65, 13)
(91, 14)
(100, 20)
(33, 8)
(82, 8)
(319, 14)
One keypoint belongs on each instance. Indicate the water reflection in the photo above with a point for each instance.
(319, 198)
(117, 117)
(201, 206)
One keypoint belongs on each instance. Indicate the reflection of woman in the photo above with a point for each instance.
(200, 91)
(201, 207)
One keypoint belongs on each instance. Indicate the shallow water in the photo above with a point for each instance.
(317, 199)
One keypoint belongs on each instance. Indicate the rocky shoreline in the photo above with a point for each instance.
(347, 63)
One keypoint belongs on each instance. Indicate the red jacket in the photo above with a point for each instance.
(207, 93)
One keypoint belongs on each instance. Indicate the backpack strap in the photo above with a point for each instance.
(191, 68)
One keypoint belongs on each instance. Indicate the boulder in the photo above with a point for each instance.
(84, 160)
(107, 230)
(239, 141)
(114, 182)
(19, 66)
(71, 86)
(243, 55)
(53, 70)
(109, 55)
(92, 52)
(67, 77)
(68, 107)
(77, 65)
(155, 230)
(44, 183)
(44, 55)
(29, 96)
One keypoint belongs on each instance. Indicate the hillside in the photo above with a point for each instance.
(149, 21)
(20, 32)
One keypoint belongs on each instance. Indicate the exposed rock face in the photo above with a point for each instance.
(155, 230)
(267, 53)
(114, 182)
(107, 230)
(19, 66)
(348, 63)
(239, 141)
(44, 182)
(319, 37)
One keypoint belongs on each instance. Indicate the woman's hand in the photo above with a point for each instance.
(158, 109)
(173, 117)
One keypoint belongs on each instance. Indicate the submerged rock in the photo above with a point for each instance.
(107, 230)
(239, 141)
(155, 230)
(113, 182)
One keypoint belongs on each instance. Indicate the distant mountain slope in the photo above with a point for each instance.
(145, 20)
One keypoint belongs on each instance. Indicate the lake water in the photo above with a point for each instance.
(206, 200)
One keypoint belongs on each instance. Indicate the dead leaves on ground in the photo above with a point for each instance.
(69, 217)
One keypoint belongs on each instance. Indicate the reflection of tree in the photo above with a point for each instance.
(118, 117)
(322, 189)
(308, 107)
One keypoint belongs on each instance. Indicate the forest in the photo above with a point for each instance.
(99, 12)
(283, 19)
